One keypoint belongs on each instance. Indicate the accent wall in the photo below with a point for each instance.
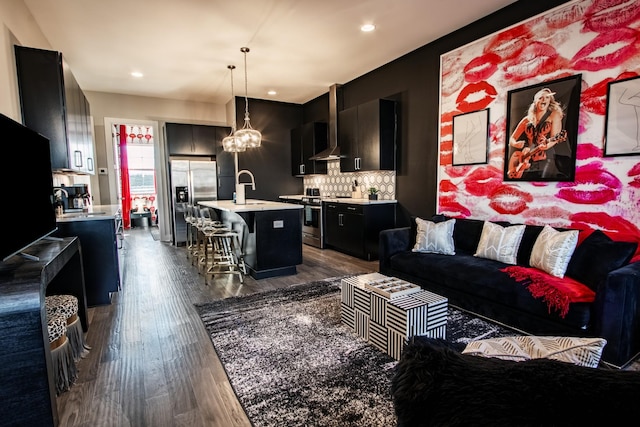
(598, 40)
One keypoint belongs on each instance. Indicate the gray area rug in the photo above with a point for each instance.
(292, 363)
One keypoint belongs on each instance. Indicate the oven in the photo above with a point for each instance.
(312, 233)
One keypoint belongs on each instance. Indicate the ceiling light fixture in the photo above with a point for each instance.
(231, 143)
(248, 136)
(137, 74)
(367, 28)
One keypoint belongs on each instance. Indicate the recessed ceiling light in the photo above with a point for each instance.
(137, 74)
(272, 92)
(367, 28)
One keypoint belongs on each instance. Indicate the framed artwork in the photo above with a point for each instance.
(471, 138)
(622, 123)
(542, 131)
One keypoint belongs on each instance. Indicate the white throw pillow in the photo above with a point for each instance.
(500, 243)
(553, 249)
(435, 237)
(579, 351)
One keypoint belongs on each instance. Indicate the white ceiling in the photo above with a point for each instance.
(297, 47)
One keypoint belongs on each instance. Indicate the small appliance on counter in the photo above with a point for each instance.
(72, 197)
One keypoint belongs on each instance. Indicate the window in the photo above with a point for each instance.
(141, 169)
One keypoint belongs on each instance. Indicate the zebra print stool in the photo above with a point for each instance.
(67, 306)
(64, 367)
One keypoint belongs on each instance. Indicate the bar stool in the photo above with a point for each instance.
(65, 372)
(189, 220)
(226, 254)
(67, 307)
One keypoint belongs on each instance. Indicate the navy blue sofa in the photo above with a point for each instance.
(478, 285)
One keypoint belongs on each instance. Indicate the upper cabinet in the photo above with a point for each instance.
(367, 136)
(191, 140)
(306, 142)
(54, 105)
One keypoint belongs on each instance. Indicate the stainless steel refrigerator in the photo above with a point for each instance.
(192, 181)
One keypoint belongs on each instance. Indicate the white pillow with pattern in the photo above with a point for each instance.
(500, 243)
(576, 350)
(435, 237)
(553, 249)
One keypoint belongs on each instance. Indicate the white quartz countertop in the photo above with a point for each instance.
(93, 212)
(353, 201)
(341, 200)
(251, 205)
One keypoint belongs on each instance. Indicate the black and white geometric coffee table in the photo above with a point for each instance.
(387, 311)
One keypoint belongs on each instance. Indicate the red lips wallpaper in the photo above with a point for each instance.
(596, 39)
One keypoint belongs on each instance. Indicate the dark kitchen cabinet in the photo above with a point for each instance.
(225, 162)
(367, 136)
(354, 228)
(100, 259)
(191, 140)
(307, 141)
(54, 105)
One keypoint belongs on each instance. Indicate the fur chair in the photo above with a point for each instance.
(435, 385)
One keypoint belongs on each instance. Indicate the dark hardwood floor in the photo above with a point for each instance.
(152, 362)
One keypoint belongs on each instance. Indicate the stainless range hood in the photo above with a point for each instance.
(335, 101)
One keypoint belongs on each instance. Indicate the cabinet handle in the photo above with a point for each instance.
(351, 208)
(89, 163)
(302, 169)
(340, 223)
(77, 158)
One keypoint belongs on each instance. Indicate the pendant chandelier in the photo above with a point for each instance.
(248, 136)
(231, 143)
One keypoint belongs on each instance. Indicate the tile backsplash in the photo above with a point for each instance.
(336, 183)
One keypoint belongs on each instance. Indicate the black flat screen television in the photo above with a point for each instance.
(28, 213)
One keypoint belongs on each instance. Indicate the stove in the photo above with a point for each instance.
(312, 229)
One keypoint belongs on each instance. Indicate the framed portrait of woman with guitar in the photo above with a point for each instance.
(542, 131)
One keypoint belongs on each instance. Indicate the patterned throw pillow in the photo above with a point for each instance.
(500, 243)
(553, 249)
(579, 351)
(434, 237)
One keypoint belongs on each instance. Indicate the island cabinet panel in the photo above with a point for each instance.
(354, 228)
(99, 254)
(54, 105)
(191, 140)
(367, 136)
(27, 395)
(307, 141)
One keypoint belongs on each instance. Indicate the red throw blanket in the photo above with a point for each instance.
(556, 292)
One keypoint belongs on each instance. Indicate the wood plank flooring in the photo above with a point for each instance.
(152, 362)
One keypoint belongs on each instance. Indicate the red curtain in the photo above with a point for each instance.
(124, 178)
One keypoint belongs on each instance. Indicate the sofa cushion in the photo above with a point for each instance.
(500, 243)
(529, 237)
(576, 350)
(434, 237)
(596, 256)
(553, 249)
(466, 235)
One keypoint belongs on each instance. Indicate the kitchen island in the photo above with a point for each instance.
(270, 234)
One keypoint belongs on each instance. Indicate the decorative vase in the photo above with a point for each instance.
(373, 197)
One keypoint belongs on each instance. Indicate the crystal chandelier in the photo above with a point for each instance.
(248, 136)
(231, 143)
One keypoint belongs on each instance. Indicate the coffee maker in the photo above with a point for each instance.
(72, 197)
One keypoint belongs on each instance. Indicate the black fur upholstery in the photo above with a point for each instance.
(435, 385)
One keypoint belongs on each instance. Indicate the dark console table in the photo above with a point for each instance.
(28, 391)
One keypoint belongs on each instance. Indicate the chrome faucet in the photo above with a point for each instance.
(253, 180)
